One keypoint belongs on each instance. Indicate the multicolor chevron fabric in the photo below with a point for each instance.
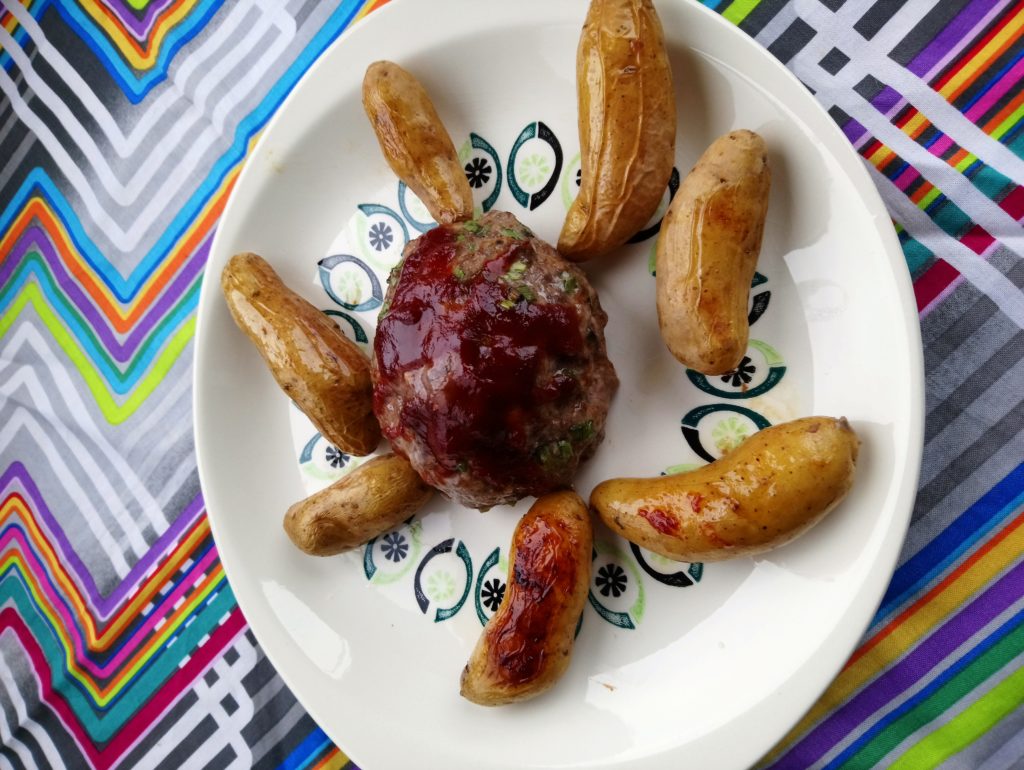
(123, 126)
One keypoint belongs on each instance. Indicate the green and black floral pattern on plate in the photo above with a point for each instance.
(445, 576)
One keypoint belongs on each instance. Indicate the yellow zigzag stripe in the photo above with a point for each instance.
(114, 412)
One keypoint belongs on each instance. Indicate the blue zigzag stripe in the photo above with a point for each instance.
(125, 288)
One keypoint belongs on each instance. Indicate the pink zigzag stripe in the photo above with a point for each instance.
(17, 477)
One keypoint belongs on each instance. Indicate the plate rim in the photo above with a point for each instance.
(873, 587)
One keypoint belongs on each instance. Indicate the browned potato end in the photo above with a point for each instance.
(769, 490)
(525, 648)
(707, 251)
(321, 370)
(627, 125)
(415, 142)
(367, 502)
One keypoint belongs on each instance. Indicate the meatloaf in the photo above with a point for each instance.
(490, 369)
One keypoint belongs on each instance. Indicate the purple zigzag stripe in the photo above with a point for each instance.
(126, 644)
(140, 26)
(36, 238)
(103, 606)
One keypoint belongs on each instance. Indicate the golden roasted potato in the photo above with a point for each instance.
(358, 507)
(525, 648)
(707, 251)
(414, 141)
(627, 123)
(320, 369)
(770, 489)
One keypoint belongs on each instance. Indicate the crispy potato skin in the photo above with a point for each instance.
(320, 369)
(707, 251)
(773, 487)
(357, 508)
(526, 646)
(627, 124)
(414, 141)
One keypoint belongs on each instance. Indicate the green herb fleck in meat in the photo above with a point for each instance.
(555, 454)
(508, 232)
(569, 284)
(581, 431)
(515, 272)
(517, 293)
(395, 272)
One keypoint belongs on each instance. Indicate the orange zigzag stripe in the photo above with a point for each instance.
(100, 640)
(140, 55)
(37, 210)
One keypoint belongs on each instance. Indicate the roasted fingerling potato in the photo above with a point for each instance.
(627, 127)
(707, 251)
(369, 501)
(526, 646)
(415, 142)
(318, 367)
(763, 494)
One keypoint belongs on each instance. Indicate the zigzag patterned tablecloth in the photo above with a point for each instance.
(123, 126)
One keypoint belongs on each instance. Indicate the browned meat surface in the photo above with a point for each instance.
(490, 370)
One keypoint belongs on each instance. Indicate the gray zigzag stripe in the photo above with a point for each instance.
(168, 401)
(16, 159)
(30, 356)
(172, 155)
(65, 505)
(23, 672)
(168, 405)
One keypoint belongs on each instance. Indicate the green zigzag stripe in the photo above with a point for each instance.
(114, 412)
(80, 328)
(140, 688)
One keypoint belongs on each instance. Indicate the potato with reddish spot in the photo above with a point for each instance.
(769, 490)
(665, 523)
(526, 647)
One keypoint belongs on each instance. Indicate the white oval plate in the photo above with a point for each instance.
(674, 663)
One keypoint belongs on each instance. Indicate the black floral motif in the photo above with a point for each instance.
(611, 579)
(742, 374)
(478, 171)
(380, 236)
(492, 593)
(395, 547)
(579, 177)
(335, 457)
